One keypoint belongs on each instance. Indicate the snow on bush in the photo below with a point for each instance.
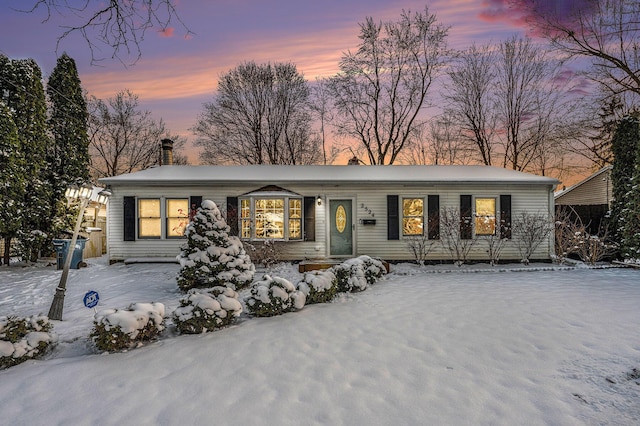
(24, 338)
(273, 296)
(355, 274)
(206, 310)
(118, 329)
(211, 256)
(318, 286)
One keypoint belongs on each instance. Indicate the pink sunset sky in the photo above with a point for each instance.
(178, 71)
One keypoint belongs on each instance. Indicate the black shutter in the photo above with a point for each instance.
(195, 201)
(393, 218)
(129, 218)
(232, 215)
(466, 219)
(433, 217)
(505, 216)
(309, 218)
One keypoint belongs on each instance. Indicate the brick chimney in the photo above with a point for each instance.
(354, 161)
(167, 152)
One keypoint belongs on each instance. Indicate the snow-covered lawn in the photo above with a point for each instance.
(552, 347)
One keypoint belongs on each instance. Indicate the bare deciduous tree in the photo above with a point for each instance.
(382, 87)
(123, 138)
(438, 143)
(511, 104)
(529, 231)
(469, 93)
(121, 25)
(321, 109)
(260, 115)
(606, 31)
(451, 236)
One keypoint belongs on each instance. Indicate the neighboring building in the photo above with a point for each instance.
(324, 211)
(589, 199)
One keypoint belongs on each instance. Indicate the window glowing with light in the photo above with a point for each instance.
(149, 222)
(412, 216)
(485, 216)
(177, 216)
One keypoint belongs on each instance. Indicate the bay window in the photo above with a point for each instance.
(267, 216)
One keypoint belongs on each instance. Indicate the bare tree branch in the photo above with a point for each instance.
(119, 25)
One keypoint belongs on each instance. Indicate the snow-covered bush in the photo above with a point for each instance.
(211, 256)
(273, 296)
(118, 329)
(24, 338)
(206, 310)
(373, 268)
(318, 286)
(355, 274)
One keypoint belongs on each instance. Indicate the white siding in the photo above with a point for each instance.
(369, 202)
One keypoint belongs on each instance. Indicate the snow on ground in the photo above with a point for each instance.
(553, 346)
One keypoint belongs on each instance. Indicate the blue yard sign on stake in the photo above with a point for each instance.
(91, 299)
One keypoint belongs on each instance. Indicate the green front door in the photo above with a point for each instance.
(341, 232)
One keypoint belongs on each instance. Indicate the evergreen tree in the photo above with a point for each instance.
(12, 180)
(211, 256)
(22, 91)
(630, 242)
(68, 154)
(624, 146)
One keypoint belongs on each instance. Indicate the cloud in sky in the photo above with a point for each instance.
(524, 12)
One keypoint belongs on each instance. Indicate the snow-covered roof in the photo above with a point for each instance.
(281, 174)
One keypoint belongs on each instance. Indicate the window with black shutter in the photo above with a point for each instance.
(433, 217)
(129, 218)
(393, 218)
(466, 218)
(505, 216)
(309, 218)
(232, 215)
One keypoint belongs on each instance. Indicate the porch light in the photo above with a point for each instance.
(82, 194)
(319, 200)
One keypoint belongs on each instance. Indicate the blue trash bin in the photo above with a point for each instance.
(62, 248)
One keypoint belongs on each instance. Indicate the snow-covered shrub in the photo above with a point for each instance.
(24, 338)
(355, 274)
(318, 286)
(373, 268)
(273, 296)
(118, 329)
(211, 256)
(206, 310)
(350, 277)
